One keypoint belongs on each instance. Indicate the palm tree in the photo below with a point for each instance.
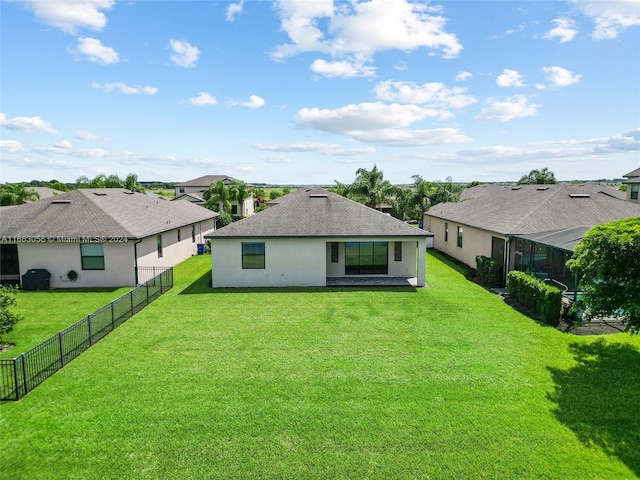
(16, 194)
(403, 204)
(343, 189)
(239, 191)
(217, 197)
(371, 188)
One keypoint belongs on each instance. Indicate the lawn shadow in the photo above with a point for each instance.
(203, 285)
(598, 398)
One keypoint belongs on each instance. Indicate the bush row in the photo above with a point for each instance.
(488, 271)
(532, 293)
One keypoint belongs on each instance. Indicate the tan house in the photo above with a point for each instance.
(107, 237)
(633, 185)
(192, 191)
(314, 237)
(489, 217)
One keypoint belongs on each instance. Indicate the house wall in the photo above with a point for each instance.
(59, 258)
(475, 241)
(246, 210)
(288, 262)
(406, 268)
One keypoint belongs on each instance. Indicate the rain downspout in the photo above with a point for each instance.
(135, 259)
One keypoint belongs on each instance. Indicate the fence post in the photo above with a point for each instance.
(24, 374)
(15, 377)
(161, 275)
(61, 350)
(147, 285)
(113, 319)
(90, 334)
(131, 296)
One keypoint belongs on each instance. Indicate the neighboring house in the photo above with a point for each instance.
(105, 235)
(489, 219)
(312, 236)
(193, 189)
(633, 185)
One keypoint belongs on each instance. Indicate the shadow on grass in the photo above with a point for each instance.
(598, 399)
(449, 262)
(73, 290)
(203, 285)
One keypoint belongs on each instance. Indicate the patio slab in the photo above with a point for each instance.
(372, 282)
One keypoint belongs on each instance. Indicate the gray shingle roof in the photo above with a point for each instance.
(99, 212)
(634, 173)
(207, 180)
(565, 239)
(537, 208)
(319, 213)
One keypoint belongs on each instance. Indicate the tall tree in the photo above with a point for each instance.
(132, 183)
(16, 194)
(342, 189)
(239, 191)
(404, 205)
(538, 177)
(217, 197)
(607, 261)
(371, 188)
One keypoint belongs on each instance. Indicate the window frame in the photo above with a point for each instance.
(159, 245)
(397, 252)
(246, 255)
(460, 236)
(635, 191)
(446, 231)
(84, 256)
(335, 252)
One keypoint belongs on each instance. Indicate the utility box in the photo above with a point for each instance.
(36, 279)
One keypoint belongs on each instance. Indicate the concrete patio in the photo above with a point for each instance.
(372, 282)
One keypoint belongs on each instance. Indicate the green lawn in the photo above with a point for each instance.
(45, 313)
(440, 382)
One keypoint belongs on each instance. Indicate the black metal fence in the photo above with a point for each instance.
(20, 375)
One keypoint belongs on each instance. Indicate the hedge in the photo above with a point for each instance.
(532, 293)
(488, 271)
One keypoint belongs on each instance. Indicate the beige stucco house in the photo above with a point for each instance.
(489, 217)
(107, 237)
(192, 191)
(312, 237)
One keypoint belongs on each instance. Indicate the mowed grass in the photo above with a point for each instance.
(440, 382)
(46, 312)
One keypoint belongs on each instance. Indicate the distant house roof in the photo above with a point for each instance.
(524, 209)
(207, 180)
(633, 176)
(99, 212)
(318, 213)
(191, 197)
(565, 239)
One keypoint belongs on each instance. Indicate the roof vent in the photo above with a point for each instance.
(317, 195)
(62, 201)
(579, 195)
(128, 192)
(542, 188)
(100, 194)
(516, 188)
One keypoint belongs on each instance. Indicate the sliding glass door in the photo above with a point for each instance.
(366, 258)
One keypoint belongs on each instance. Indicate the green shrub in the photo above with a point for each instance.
(489, 271)
(532, 293)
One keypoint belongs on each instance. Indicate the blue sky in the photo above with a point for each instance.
(307, 92)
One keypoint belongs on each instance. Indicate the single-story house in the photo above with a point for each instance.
(633, 185)
(192, 191)
(313, 237)
(506, 222)
(104, 237)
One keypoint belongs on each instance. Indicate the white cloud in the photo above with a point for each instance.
(510, 78)
(64, 144)
(514, 107)
(362, 29)
(86, 135)
(436, 95)
(565, 30)
(254, 102)
(561, 77)
(203, 99)
(69, 16)
(611, 17)
(184, 54)
(362, 117)
(11, 146)
(411, 138)
(27, 124)
(276, 159)
(462, 76)
(234, 9)
(126, 89)
(314, 147)
(344, 69)
(96, 52)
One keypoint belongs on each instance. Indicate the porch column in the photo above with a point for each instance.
(422, 262)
